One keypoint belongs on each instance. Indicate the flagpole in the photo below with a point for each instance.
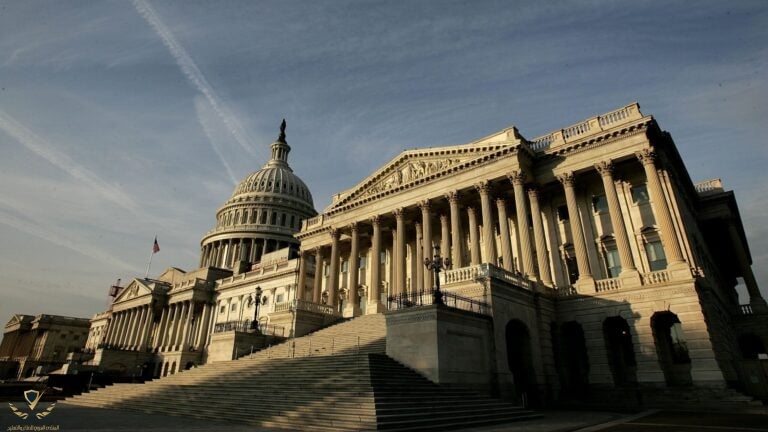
(146, 275)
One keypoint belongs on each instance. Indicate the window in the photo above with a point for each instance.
(572, 268)
(344, 266)
(293, 221)
(253, 216)
(279, 298)
(282, 219)
(562, 213)
(234, 307)
(327, 270)
(599, 204)
(223, 309)
(640, 194)
(612, 261)
(265, 300)
(362, 262)
(263, 217)
(274, 218)
(655, 253)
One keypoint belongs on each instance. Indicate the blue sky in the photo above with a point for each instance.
(124, 120)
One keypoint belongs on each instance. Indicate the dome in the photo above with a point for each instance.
(262, 215)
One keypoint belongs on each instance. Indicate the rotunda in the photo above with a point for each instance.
(261, 216)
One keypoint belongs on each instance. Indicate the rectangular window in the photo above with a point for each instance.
(253, 216)
(263, 217)
(234, 307)
(640, 194)
(279, 298)
(344, 266)
(327, 270)
(572, 268)
(274, 219)
(599, 204)
(222, 309)
(282, 219)
(362, 262)
(562, 213)
(657, 260)
(293, 221)
(613, 262)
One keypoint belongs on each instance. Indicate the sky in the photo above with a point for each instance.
(121, 121)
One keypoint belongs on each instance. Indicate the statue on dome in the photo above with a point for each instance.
(282, 131)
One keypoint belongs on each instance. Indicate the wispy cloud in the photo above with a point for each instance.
(47, 151)
(204, 117)
(195, 76)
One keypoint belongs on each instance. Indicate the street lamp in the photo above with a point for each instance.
(255, 324)
(437, 264)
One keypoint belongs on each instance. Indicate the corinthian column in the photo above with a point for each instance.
(585, 283)
(541, 243)
(374, 299)
(317, 290)
(426, 241)
(628, 270)
(301, 283)
(353, 304)
(518, 180)
(506, 243)
(333, 280)
(399, 287)
(474, 242)
(456, 237)
(490, 239)
(663, 215)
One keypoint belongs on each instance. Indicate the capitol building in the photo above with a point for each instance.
(584, 259)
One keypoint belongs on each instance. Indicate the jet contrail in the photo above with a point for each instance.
(44, 149)
(193, 74)
(203, 117)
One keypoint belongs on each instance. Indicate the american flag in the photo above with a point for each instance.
(155, 247)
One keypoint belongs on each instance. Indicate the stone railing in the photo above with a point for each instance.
(313, 222)
(479, 273)
(590, 126)
(566, 291)
(305, 305)
(602, 285)
(250, 227)
(656, 277)
(459, 275)
(711, 185)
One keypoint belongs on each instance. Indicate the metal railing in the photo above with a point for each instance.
(247, 326)
(427, 297)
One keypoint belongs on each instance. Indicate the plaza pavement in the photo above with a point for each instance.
(71, 418)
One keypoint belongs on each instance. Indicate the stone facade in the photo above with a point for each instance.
(603, 263)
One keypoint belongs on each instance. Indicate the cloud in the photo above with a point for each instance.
(206, 121)
(47, 151)
(194, 75)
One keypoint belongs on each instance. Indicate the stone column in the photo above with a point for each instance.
(125, 322)
(374, 299)
(301, 284)
(664, 216)
(518, 180)
(137, 320)
(353, 302)
(419, 283)
(585, 283)
(158, 340)
(333, 278)
(755, 298)
(445, 230)
(474, 242)
(426, 241)
(456, 237)
(203, 328)
(319, 268)
(185, 335)
(171, 333)
(542, 255)
(489, 249)
(629, 274)
(146, 331)
(399, 287)
(506, 242)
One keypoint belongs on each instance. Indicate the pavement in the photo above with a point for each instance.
(70, 418)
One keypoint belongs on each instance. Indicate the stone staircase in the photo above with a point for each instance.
(335, 379)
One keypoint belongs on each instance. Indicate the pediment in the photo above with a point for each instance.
(172, 275)
(17, 319)
(134, 289)
(417, 166)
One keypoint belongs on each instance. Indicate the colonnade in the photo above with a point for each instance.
(182, 325)
(468, 221)
(226, 253)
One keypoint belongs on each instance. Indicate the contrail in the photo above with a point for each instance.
(193, 74)
(44, 149)
(202, 116)
(27, 224)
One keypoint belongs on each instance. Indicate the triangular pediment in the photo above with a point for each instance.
(136, 288)
(417, 166)
(17, 319)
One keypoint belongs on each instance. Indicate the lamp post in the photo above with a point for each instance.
(255, 324)
(437, 264)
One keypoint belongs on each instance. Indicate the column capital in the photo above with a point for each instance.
(533, 192)
(483, 187)
(424, 205)
(516, 177)
(353, 226)
(375, 220)
(567, 179)
(501, 202)
(605, 168)
(452, 196)
(646, 156)
(334, 232)
(399, 212)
